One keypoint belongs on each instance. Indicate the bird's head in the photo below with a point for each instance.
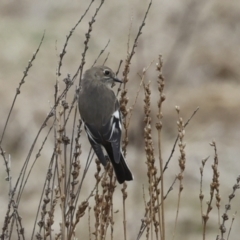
(103, 74)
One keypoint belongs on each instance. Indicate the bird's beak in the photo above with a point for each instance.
(115, 79)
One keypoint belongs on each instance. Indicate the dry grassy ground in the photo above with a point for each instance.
(199, 42)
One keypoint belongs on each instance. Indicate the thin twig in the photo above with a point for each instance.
(25, 73)
(86, 42)
(101, 52)
(69, 36)
(176, 140)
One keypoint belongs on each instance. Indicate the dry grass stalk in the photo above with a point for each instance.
(181, 163)
(162, 97)
(103, 209)
(214, 187)
(22, 81)
(201, 195)
(225, 216)
(66, 174)
(123, 98)
(124, 101)
(157, 197)
(62, 54)
(152, 223)
(230, 228)
(86, 42)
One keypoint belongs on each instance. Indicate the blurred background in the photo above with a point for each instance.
(199, 42)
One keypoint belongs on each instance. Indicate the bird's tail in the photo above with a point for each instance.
(121, 169)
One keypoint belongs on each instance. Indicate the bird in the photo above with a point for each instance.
(100, 112)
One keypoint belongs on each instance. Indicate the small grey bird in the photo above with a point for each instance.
(99, 110)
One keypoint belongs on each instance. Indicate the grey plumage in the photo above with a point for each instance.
(99, 110)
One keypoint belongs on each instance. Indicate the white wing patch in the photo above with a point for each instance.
(116, 114)
(89, 133)
(115, 124)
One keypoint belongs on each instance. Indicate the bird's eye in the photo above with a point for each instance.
(106, 72)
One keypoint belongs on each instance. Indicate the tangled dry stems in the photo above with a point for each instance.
(66, 172)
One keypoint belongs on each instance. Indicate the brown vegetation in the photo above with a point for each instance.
(76, 197)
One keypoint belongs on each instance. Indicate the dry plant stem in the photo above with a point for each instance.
(139, 33)
(25, 73)
(73, 162)
(62, 142)
(86, 42)
(129, 32)
(181, 162)
(88, 163)
(214, 187)
(89, 224)
(124, 100)
(233, 218)
(216, 183)
(119, 88)
(69, 84)
(19, 226)
(71, 155)
(105, 60)
(124, 195)
(103, 209)
(101, 52)
(77, 193)
(176, 140)
(49, 189)
(74, 171)
(119, 66)
(137, 94)
(81, 210)
(144, 221)
(170, 188)
(46, 201)
(72, 106)
(151, 168)
(37, 156)
(62, 54)
(109, 199)
(51, 114)
(225, 217)
(96, 210)
(70, 167)
(74, 167)
(21, 175)
(61, 169)
(7, 163)
(8, 217)
(28, 175)
(151, 208)
(162, 97)
(147, 220)
(24, 168)
(112, 221)
(201, 195)
(49, 219)
(79, 214)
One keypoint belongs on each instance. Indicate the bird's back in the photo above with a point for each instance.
(92, 111)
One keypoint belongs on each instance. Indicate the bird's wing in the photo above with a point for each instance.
(112, 132)
(94, 139)
(109, 133)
